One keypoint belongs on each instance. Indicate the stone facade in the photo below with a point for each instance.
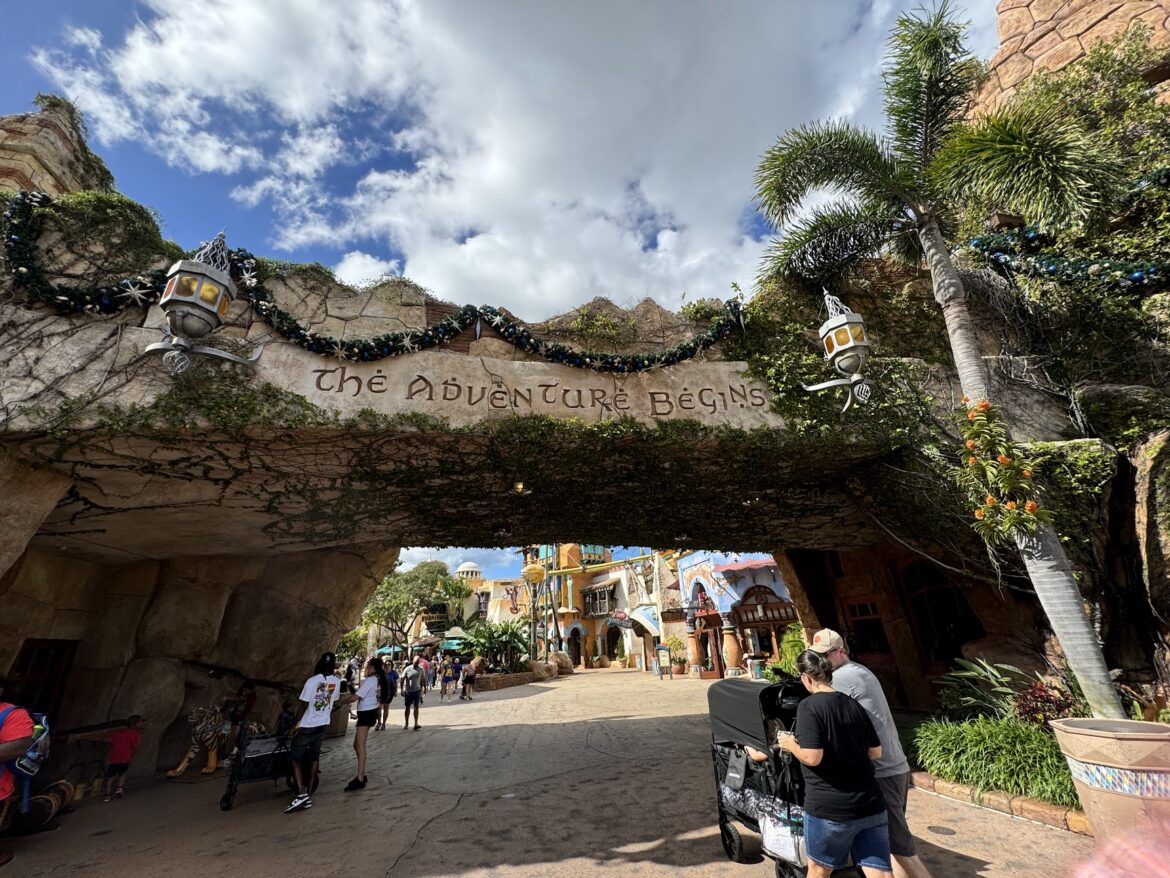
(145, 636)
(1051, 34)
(41, 151)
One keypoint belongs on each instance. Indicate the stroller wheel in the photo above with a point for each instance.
(785, 869)
(732, 842)
(225, 804)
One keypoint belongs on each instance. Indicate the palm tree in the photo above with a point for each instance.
(894, 196)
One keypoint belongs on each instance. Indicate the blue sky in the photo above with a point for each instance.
(516, 153)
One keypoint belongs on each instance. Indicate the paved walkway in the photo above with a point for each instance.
(603, 772)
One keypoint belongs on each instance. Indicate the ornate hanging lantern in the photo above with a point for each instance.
(196, 299)
(846, 346)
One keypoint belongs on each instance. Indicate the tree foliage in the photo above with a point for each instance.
(399, 597)
(503, 645)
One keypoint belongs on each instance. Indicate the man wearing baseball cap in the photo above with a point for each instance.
(891, 770)
(318, 696)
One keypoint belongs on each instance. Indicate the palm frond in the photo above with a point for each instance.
(825, 155)
(828, 242)
(929, 77)
(1039, 165)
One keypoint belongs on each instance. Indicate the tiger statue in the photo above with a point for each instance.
(207, 733)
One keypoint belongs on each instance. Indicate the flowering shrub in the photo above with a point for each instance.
(996, 476)
(1038, 703)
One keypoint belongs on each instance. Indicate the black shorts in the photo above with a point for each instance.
(306, 744)
(368, 718)
(413, 698)
(116, 768)
(895, 791)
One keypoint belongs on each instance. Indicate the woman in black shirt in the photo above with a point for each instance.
(835, 742)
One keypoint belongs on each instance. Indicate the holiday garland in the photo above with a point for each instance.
(20, 235)
(1019, 250)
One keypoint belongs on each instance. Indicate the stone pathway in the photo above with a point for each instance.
(602, 772)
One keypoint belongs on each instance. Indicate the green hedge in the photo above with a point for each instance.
(997, 754)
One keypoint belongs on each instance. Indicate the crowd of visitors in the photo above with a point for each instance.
(372, 695)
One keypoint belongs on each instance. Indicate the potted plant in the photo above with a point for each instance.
(678, 654)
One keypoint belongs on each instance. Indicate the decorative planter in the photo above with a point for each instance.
(1121, 769)
(679, 669)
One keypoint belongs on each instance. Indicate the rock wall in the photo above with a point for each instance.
(161, 637)
(43, 151)
(1051, 34)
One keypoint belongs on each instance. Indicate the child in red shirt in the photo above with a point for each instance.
(123, 743)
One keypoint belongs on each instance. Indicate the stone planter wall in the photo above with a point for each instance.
(492, 682)
(1018, 806)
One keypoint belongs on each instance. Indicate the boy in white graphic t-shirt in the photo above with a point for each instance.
(318, 698)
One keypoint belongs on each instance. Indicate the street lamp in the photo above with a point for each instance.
(196, 299)
(533, 575)
(846, 346)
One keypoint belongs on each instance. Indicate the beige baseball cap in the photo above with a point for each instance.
(826, 640)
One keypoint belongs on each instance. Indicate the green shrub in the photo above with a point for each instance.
(1001, 754)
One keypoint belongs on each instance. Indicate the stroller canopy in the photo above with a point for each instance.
(740, 708)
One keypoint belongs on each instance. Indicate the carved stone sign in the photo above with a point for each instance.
(467, 389)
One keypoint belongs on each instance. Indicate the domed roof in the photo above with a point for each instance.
(467, 568)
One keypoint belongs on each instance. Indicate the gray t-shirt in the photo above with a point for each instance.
(412, 679)
(858, 682)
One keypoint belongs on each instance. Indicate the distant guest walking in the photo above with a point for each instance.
(391, 691)
(412, 683)
(123, 742)
(447, 669)
(468, 681)
(836, 744)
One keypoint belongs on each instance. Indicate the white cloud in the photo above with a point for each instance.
(525, 154)
(357, 267)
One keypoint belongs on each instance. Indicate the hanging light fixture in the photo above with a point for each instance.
(196, 299)
(846, 346)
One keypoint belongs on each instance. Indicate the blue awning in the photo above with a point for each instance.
(457, 643)
(388, 649)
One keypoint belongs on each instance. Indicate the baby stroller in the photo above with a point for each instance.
(262, 757)
(765, 797)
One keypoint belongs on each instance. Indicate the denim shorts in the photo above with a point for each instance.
(830, 843)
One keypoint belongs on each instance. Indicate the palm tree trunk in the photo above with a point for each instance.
(1044, 557)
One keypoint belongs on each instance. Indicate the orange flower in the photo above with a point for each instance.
(972, 461)
(1027, 474)
(1011, 504)
(990, 501)
(1031, 506)
(966, 399)
(979, 513)
(1004, 459)
(983, 405)
(971, 444)
(971, 415)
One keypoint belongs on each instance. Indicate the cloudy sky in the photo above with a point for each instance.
(519, 153)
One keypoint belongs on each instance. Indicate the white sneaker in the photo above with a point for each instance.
(301, 801)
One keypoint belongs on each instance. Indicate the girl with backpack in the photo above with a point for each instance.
(392, 679)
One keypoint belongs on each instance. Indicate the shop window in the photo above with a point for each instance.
(597, 603)
(867, 634)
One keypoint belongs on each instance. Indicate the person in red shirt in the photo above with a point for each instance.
(16, 736)
(123, 742)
